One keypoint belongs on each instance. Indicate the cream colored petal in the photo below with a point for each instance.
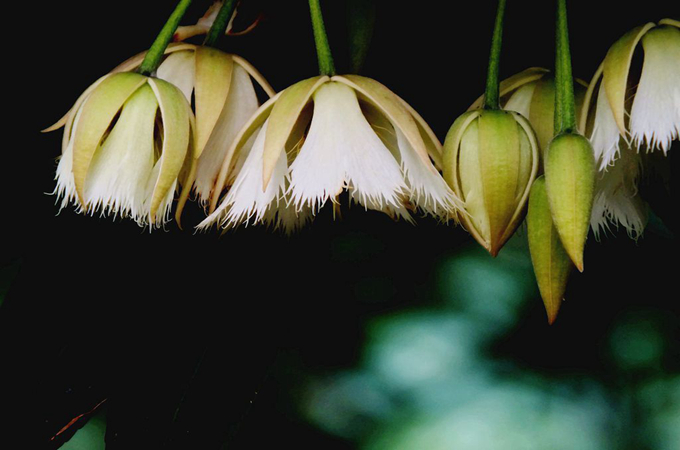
(213, 81)
(257, 76)
(121, 166)
(655, 114)
(605, 137)
(179, 69)
(514, 82)
(175, 114)
(283, 117)
(393, 108)
(232, 155)
(241, 104)
(99, 110)
(616, 69)
(520, 100)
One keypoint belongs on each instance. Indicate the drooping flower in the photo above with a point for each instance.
(645, 114)
(323, 136)
(128, 140)
(220, 87)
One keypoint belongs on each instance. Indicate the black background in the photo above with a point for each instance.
(105, 310)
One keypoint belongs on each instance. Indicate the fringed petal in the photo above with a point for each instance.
(121, 166)
(655, 115)
(605, 137)
(342, 150)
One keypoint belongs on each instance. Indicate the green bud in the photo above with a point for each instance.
(490, 160)
(551, 263)
(570, 183)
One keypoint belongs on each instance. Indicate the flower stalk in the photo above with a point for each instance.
(491, 93)
(565, 111)
(323, 49)
(155, 54)
(220, 24)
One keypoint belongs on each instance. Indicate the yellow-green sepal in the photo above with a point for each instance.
(616, 66)
(177, 136)
(551, 263)
(451, 148)
(391, 105)
(282, 119)
(212, 85)
(671, 22)
(499, 169)
(99, 110)
(570, 181)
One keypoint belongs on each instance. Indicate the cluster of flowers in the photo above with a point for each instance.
(133, 144)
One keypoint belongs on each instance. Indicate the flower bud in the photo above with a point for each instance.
(551, 263)
(570, 182)
(490, 160)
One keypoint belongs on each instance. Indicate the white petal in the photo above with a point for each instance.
(427, 190)
(66, 186)
(246, 200)
(606, 136)
(616, 199)
(655, 115)
(241, 104)
(342, 151)
(179, 68)
(117, 179)
(520, 100)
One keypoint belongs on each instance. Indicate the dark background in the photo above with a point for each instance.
(224, 326)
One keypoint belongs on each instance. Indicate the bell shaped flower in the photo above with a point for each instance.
(491, 159)
(646, 116)
(128, 140)
(220, 87)
(324, 136)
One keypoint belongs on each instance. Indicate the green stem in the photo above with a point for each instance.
(220, 24)
(323, 50)
(565, 111)
(491, 94)
(155, 54)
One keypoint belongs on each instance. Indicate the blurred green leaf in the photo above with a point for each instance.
(91, 436)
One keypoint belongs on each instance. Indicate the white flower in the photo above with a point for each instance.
(220, 88)
(323, 136)
(651, 121)
(119, 155)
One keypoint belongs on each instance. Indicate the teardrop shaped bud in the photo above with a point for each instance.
(570, 183)
(551, 263)
(490, 161)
